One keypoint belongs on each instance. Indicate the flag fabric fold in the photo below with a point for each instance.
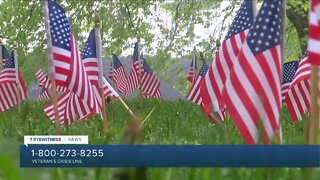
(298, 95)
(226, 56)
(67, 67)
(252, 91)
(289, 70)
(136, 69)
(118, 74)
(150, 83)
(194, 93)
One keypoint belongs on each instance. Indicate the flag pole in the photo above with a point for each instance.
(283, 35)
(314, 109)
(194, 64)
(127, 108)
(99, 57)
(15, 56)
(140, 66)
(51, 70)
(1, 65)
(112, 66)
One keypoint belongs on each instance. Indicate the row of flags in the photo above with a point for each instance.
(77, 76)
(248, 79)
(140, 76)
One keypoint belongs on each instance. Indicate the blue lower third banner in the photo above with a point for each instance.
(170, 156)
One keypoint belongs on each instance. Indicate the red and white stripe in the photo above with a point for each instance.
(133, 78)
(220, 70)
(62, 103)
(45, 95)
(8, 92)
(192, 74)
(44, 82)
(150, 84)
(314, 33)
(252, 93)
(8, 75)
(120, 79)
(298, 96)
(194, 93)
(70, 72)
(214, 116)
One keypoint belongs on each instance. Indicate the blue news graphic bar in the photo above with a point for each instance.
(170, 156)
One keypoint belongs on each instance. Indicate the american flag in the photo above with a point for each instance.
(211, 90)
(289, 70)
(298, 95)
(134, 75)
(194, 93)
(118, 74)
(9, 83)
(253, 90)
(192, 72)
(314, 33)
(68, 71)
(44, 94)
(44, 82)
(150, 83)
(90, 61)
(74, 107)
(8, 74)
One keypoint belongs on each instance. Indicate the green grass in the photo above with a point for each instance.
(172, 122)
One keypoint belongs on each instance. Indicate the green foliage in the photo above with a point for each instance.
(172, 122)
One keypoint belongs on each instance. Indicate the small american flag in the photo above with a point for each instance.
(136, 69)
(314, 33)
(89, 59)
(9, 82)
(211, 90)
(44, 94)
(192, 72)
(289, 70)
(8, 74)
(67, 68)
(150, 83)
(118, 74)
(194, 93)
(253, 90)
(298, 96)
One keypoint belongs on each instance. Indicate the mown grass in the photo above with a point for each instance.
(172, 122)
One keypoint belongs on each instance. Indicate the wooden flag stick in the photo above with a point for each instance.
(194, 63)
(15, 56)
(99, 57)
(1, 65)
(140, 68)
(127, 108)
(51, 70)
(55, 106)
(148, 115)
(314, 109)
